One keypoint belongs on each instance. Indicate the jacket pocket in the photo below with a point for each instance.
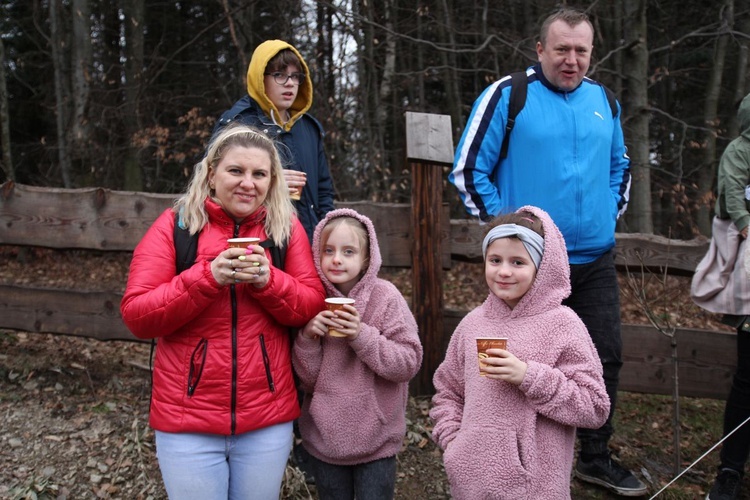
(267, 364)
(197, 361)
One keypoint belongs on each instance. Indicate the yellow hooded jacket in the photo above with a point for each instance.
(256, 86)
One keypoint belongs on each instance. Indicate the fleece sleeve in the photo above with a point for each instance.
(307, 357)
(571, 392)
(448, 402)
(392, 349)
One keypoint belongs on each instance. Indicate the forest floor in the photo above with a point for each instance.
(74, 411)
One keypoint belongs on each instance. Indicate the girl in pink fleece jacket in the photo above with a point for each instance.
(509, 432)
(356, 388)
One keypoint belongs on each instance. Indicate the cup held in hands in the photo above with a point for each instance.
(334, 304)
(242, 242)
(484, 343)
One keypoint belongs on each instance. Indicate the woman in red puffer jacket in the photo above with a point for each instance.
(223, 397)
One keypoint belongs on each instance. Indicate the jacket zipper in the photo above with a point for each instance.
(233, 295)
(197, 362)
(267, 363)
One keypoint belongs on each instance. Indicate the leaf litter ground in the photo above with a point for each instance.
(75, 410)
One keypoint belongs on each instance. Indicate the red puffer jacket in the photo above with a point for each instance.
(223, 363)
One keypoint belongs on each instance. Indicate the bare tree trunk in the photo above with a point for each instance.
(449, 62)
(389, 67)
(82, 62)
(707, 174)
(635, 106)
(62, 94)
(742, 61)
(7, 160)
(133, 12)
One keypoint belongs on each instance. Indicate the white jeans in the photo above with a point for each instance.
(215, 467)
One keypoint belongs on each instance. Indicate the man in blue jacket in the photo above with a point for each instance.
(567, 155)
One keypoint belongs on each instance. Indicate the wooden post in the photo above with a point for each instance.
(429, 146)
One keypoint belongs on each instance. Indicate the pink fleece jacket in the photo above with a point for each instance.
(506, 441)
(356, 391)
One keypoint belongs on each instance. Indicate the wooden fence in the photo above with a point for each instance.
(98, 219)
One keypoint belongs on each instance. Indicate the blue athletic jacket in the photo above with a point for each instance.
(566, 155)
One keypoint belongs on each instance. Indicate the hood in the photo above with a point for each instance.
(743, 117)
(256, 88)
(552, 283)
(376, 260)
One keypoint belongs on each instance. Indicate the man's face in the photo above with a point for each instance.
(566, 54)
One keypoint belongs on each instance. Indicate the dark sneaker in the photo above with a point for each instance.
(604, 471)
(726, 486)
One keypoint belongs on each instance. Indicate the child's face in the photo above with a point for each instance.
(342, 258)
(509, 270)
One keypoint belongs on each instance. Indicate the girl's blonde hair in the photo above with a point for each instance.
(281, 212)
(359, 230)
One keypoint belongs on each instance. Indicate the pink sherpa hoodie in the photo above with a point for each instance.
(356, 391)
(506, 441)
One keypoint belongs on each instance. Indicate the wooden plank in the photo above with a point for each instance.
(29, 215)
(92, 218)
(429, 138)
(633, 249)
(69, 312)
(395, 230)
(707, 359)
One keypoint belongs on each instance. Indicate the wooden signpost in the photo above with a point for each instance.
(429, 147)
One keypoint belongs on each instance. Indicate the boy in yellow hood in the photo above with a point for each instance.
(279, 94)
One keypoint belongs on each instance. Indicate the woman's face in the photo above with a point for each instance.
(241, 181)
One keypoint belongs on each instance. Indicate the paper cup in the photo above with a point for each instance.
(484, 343)
(242, 242)
(334, 304)
(296, 195)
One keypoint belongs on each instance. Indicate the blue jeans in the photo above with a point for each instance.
(214, 467)
(374, 480)
(734, 451)
(595, 297)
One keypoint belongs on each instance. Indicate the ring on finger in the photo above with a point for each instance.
(234, 272)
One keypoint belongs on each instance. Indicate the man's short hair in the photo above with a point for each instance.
(571, 17)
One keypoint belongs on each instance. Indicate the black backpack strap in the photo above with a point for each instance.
(185, 245)
(278, 254)
(518, 83)
(612, 100)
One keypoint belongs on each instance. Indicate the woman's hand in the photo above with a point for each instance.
(503, 365)
(236, 266)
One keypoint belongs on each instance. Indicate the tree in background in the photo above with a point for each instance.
(132, 104)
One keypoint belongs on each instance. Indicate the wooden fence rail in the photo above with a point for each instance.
(99, 219)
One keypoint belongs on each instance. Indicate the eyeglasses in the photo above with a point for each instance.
(281, 78)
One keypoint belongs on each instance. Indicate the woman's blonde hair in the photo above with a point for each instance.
(191, 205)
